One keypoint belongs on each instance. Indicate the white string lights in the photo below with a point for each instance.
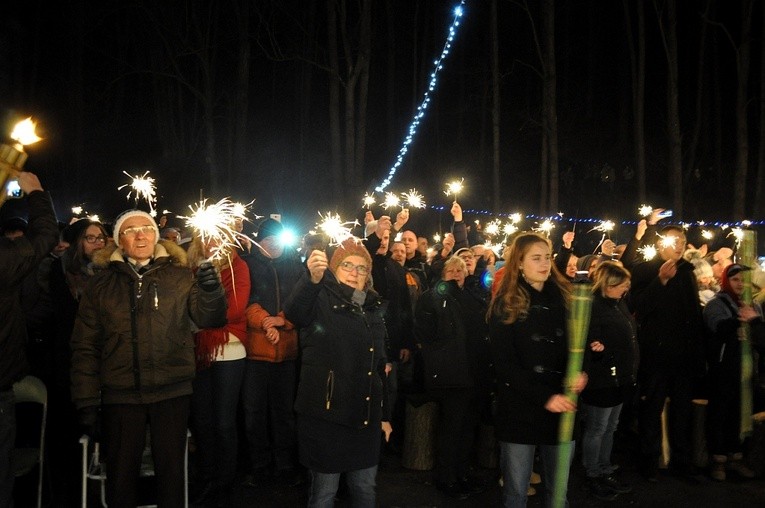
(437, 66)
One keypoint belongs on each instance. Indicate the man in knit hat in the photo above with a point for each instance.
(268, 391)
(133, 354)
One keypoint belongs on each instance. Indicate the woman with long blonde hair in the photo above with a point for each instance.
(527, 321)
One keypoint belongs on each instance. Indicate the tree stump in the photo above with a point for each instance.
(419, 435)
(700, 455)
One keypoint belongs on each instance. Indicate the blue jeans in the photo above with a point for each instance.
(598, 438)
(213, 418)
(7, 442)
(267, 397)
(517, 460)
(361, 486)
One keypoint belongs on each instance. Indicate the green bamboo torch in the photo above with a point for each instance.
(578, 327)
(746, 255)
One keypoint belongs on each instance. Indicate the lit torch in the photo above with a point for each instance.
(12, 158)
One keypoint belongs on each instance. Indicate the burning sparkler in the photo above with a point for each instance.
(437, 238)
(604, 227)
(391, 200)
(77, 210)
(335, 228)
(667, 241)
(369, 200)
(215, 225)
(645, 210)
(413, 198)
(454, 188)
(142, 187)
(546, 227)
(516, 218)
(509, 229)
(707, 234)
(492, 228)
(649, 252)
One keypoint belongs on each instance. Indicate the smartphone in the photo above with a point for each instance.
(665, 214)
(13, 189)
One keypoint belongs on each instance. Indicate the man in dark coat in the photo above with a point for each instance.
(18, 258)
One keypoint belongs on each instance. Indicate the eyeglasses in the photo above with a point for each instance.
(347, 266)
(94, 238)
(466, 256)
(144, 230)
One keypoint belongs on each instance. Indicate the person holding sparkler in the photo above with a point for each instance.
(133, 355)
(666, 300)
(18, 258)
(340, 405)
(527, 323)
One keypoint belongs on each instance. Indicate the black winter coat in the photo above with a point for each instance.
(272, 280)
(343, 351)
(530, 357)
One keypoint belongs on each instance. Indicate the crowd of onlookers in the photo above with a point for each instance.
(293, 365)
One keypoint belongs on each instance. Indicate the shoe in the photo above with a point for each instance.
(615, 485)
(453, 490)
(472, 485)
(736, 464)
(718, 467)
(288, 477)
(599, 491)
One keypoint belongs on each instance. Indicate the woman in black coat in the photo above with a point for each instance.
(340, 401)
(612, 372)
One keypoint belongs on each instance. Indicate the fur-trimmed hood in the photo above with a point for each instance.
(163, 249)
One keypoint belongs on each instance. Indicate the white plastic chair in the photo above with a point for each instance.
(23, 460)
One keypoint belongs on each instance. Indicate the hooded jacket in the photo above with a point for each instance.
(133, 338)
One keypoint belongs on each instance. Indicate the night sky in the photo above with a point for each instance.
(121, 86)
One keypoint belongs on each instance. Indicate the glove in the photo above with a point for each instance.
(207, 278)
(89, 419)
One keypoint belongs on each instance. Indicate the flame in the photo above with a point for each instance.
(24, 132)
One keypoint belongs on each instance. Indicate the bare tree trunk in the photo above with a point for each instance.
(390, 88)
(548, 16)
(760, 189)
(306, 82)
(334, 100)
(496, 107)
(77, 102)
(742, 126)
(242, 82)
(639, 106)
(700, 78)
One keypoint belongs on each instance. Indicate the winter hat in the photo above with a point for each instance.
(134, 213)
(14, 224)
(269, 227)
(584, 262)
(350, 247)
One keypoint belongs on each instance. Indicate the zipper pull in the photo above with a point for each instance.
(156, 297)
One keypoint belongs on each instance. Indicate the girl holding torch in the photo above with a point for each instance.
(527, 321)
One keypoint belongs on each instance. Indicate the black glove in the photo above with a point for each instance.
(89, 419)
(207, 278)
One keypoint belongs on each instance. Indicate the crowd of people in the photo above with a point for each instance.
(293, 366)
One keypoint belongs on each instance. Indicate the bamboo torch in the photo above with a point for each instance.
(746, 256)
(578, 327)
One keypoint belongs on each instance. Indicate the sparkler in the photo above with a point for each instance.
(454, 188)
(707, 234)
(437, 238)
(94, 218)
(649, 252)
(509, 228)
(738, 234)
(604, 227)
(492, 228)
(546, 227)
(143, 187)
(335, 228)
(666, 241)
(645, 210)
(413, 198)
(391, 200)
(516, 218)
(369, 200)
(76, 210)
(214, 223)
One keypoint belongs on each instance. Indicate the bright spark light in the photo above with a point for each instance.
(166, 211)
(94, 218)
(738, 234)
(667, 241)
(142, 187)
(604, 227)
(685, 226)
(509, 228)
(746, 223)
(214, 223)
(420, 113)
(724, 227)
(707, 234)
(77, 210)
(546, 227)
(516, 218)
(369, 200)
(492, 228)
(454, 188)
(645, 210)
(701, 223)
(391, 200)
(649, 252)
(413, 198)
(24, 132)
(436, 238)
(335, 228)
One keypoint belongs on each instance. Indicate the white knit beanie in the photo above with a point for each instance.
(134, 213)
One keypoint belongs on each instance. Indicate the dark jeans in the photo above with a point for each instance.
(7, 442)
(455, 431)
(213, 416)
(267, 397)
(124, 430)
(724, 412)
(517, 460)
(361, 486)
(657, 385)
(598, 438)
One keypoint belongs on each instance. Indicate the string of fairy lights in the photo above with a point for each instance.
(427, 96)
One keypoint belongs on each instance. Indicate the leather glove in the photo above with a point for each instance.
(89, 419)
(207, 278)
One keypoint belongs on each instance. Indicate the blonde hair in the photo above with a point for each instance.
(196, 254)
(609, 274)
(511, 303)
(454, 260)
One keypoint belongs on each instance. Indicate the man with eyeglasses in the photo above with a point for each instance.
(18, 258)
(133, 355)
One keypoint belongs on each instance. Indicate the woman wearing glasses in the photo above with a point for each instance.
(340, 401)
